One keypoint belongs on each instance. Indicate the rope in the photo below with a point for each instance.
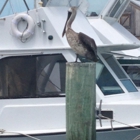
(112, 120)
(137, 138)
(2, 131)
(21, 39)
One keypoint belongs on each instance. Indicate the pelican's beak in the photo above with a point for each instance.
(64, 31)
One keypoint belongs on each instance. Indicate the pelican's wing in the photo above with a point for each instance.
(88, 42)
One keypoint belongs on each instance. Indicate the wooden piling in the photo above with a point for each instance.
(80, 101)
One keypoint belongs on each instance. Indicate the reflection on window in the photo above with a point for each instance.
(134, 73)
(120, 74)
(106, 81)
(32, 76)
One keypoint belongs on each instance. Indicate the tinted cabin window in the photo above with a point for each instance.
(106, 81)
(32, 76)
(134, 73)
(119, 73)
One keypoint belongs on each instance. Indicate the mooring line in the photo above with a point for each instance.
(2, 131)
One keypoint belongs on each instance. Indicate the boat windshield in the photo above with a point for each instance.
(110, 8)
(9, 7)
(88, 7)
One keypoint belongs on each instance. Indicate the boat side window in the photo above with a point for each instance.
(134, 73)
(32, 76)
(117, 8)
(119, 73)
(106, 81)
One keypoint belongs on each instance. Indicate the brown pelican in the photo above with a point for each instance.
(82, 44)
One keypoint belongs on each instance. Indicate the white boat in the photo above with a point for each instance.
(32, 76)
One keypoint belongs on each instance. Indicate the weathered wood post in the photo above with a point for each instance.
(80, 101)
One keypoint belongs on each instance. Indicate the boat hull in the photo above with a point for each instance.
(125, 134)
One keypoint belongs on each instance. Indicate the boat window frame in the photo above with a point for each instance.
(53, 95)
(105, 80)
(110, 7)
(117, 78)
(119, 10)
(114, 76)
(130, 64)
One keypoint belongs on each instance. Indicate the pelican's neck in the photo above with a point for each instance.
(71, 19)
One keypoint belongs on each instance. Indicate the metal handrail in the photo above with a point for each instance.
(26, 5)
